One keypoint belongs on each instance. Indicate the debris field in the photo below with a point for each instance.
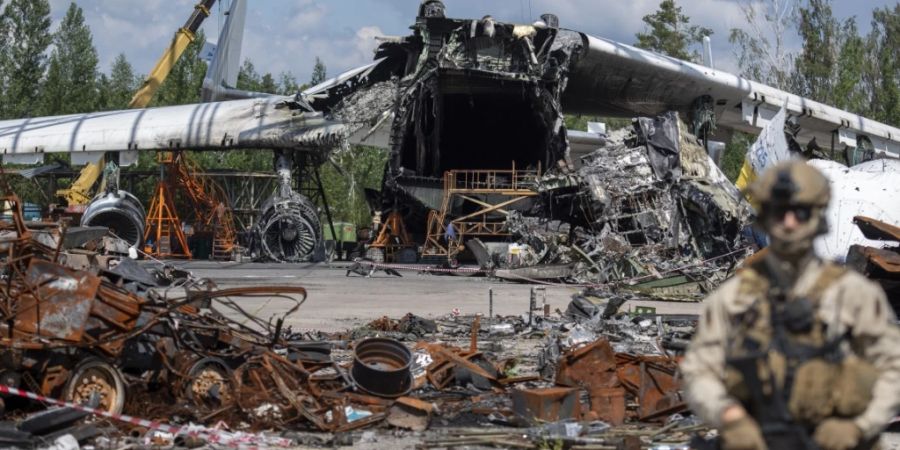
(154, 357)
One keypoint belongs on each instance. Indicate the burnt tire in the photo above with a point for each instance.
(94, 375)
(209, 383)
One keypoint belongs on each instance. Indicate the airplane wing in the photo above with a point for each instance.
(275, 122)
(611, 78)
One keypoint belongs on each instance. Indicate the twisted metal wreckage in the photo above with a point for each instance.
(159, 343)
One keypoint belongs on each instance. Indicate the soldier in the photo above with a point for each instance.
(794, 352)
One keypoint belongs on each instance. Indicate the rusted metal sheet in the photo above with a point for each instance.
(56, 303)
(546, 404)
(876, 229)
(608, 404)
(591, 365)
(659, 395)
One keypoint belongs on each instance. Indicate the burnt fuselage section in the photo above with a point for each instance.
(478, 94)
(468, 95)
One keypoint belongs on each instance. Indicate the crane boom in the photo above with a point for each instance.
(79, 192)
(183, 37)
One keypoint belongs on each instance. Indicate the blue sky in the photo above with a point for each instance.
(287, 35)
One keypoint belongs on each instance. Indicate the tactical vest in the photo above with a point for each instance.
(781, 364)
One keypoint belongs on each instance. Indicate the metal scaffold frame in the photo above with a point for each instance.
(491, 192)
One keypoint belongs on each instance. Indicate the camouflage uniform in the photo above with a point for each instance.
(837, 355)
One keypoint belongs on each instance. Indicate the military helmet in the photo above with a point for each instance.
(791, 183)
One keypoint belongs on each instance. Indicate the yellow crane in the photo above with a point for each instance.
(79, 192)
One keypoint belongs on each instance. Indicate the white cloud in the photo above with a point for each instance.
(287, 35)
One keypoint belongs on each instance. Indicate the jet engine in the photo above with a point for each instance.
(289, 228)
(119, 211)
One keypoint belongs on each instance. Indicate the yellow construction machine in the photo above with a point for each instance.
(79, 193)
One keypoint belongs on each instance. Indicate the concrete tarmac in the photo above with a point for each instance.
(337, 301)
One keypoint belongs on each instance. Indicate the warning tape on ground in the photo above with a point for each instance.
(210, 435)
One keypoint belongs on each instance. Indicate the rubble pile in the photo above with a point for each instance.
(649, 204)
(163, 349)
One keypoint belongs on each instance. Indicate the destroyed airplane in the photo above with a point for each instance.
(481, 95)
(456, 94)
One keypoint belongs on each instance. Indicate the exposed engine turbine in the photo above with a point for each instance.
(288, 229)
(119, 211)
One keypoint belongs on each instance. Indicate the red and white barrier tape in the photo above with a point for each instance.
(210, 435)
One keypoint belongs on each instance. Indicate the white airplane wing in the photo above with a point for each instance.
(612, 78)
(275, 122)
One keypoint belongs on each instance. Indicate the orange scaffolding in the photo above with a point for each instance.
(163, 223)
(182, 174)
(490, 192)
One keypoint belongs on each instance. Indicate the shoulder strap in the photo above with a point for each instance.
(753, 281)
(831, 273)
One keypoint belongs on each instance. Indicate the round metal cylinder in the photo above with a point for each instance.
(381, 367)
(289, 229)
(121, 212)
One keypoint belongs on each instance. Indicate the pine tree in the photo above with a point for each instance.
(267, 84)
(25, 33)
(71, 83)
(120, 86)
(670, 33)
(319, 74)
(186, 77)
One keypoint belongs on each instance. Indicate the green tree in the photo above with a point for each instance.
(25, 35)
(186, 77)
(851, 86)
(4, 49)
(363, 168)
(816, 65)
(287, 84)
(71, 83)
(117, 89)
(319, 73)
(884, 54)
(248, 79)
(669, 32)
(267, 84)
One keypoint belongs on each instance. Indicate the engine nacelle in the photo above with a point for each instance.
(288, 229)
(119, 211)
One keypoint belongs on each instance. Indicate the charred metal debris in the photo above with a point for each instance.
(448, 97)
(465, 96)
(161, 345)
(648, 210)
